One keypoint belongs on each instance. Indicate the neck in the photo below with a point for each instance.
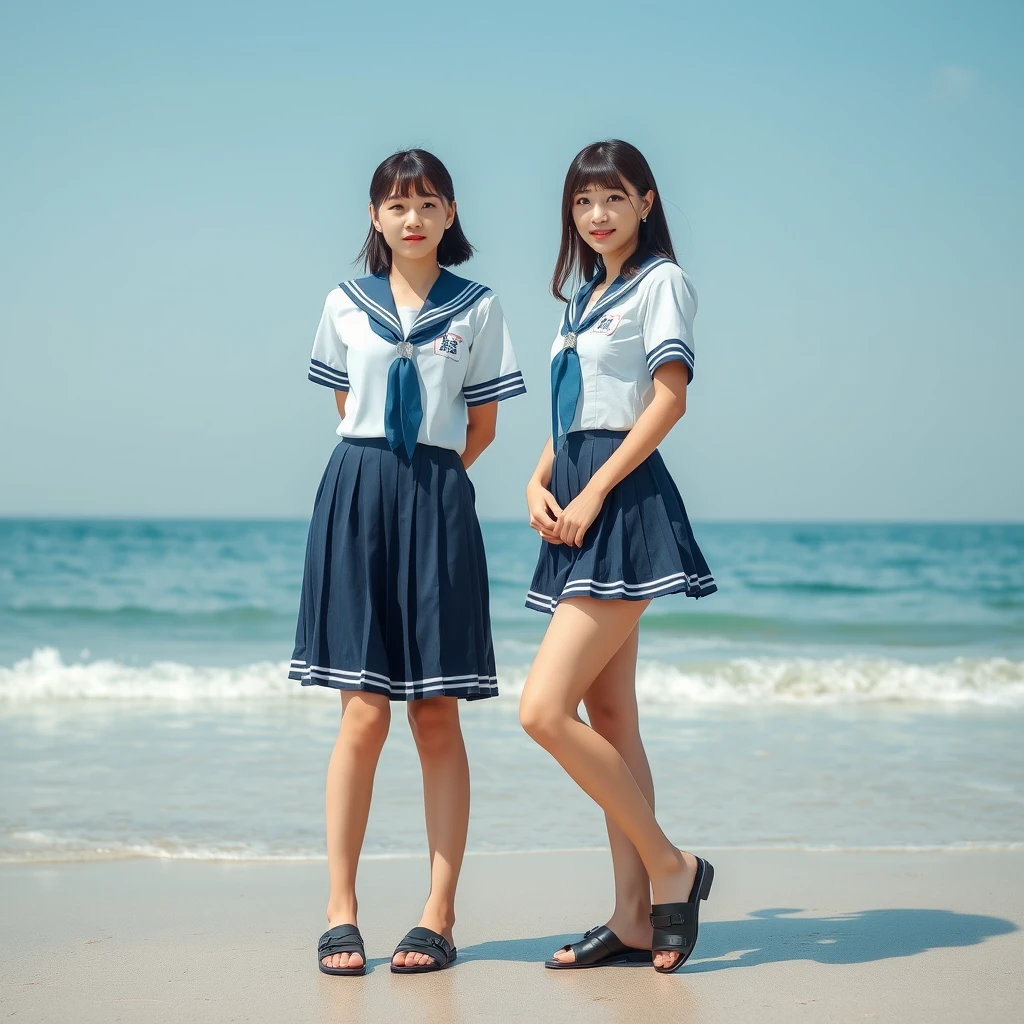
(417, 275)
(613, 260)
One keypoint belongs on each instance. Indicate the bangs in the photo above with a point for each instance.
(407, 185)
(411, 173)
(596, 169)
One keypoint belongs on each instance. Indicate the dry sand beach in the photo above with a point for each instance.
(788, 936)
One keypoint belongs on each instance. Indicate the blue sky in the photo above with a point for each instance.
(180, 187)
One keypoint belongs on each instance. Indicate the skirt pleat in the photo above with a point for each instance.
(640, 546)
(394, 594)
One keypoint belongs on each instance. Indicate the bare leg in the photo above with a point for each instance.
(365, 720)
(611, 708)
(584, 635)
(438, 736)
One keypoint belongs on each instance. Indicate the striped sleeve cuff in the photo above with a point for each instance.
(667, 351)
(321, 373)
(496, 390)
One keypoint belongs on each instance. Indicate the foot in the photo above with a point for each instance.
(633, 930)
(436, 922)
(674, 887)
(341, 959)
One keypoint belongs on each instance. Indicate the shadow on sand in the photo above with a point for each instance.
(778, 934)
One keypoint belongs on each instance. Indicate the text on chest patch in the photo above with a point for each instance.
(607, 323)
(448, 345)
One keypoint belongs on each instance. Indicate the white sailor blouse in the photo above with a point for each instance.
(603, 360)
(414, 386)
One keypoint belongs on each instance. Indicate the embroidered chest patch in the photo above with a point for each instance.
(449, 346)
(607, 323)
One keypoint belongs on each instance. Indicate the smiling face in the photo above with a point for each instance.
(413, 225)
(608, 219)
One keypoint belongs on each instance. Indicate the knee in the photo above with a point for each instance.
(542, 721)
(365, 724)
(609, 718)
(434, 723)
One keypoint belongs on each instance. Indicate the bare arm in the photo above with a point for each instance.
(483, 421)
(544, 510)
(665, 410)
(339, 400)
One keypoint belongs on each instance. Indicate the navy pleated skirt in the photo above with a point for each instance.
(640, 546)
(394, 593)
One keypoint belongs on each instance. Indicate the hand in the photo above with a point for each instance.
(544, 511)
(578, 516)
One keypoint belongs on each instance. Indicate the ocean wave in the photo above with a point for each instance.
(993, 682)
(45, 676)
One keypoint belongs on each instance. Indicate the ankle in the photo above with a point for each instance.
(441, 916)
(635, 910)
(668, 868)
(343, 911)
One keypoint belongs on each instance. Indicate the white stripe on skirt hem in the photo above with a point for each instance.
(363, 679)
(619, 588)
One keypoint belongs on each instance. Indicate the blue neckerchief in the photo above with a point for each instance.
(566, 375)
(450, 295)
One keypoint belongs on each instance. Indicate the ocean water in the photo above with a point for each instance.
(850, 686)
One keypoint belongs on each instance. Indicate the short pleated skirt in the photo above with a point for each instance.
(640, 546)
(394, 591)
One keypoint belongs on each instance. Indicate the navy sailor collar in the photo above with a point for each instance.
(574, 321)
(448, 297)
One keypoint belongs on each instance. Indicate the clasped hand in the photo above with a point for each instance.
(563, 526)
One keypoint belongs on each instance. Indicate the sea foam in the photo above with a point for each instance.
(45, 676)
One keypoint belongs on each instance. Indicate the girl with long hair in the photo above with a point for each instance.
(615, 536)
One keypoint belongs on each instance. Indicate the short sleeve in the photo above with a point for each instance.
(669, 308)
(327, 364)
(493, 373)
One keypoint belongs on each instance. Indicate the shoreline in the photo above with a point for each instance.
(786, 935)
(158, 857)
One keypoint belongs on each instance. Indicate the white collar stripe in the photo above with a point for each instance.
(608, 300)
(468, 295)
(362, 299)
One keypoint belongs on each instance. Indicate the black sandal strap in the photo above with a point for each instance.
(673, 915)
(597, 944)
(430, 943)
(342, 938)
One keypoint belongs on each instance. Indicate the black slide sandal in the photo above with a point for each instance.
(675, 924)
(600, 947)
(423, 940)
(342, 938)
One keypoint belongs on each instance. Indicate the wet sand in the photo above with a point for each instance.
(785, 937)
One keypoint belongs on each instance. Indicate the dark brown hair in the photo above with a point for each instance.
(608, 164)
(406, 173)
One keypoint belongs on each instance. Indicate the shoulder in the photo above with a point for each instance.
(457, 283)
(478, 300)
(337, 300)
(667, 275)
(466, 293)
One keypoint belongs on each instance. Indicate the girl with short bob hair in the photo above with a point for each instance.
(394, 600)
(615, 535)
